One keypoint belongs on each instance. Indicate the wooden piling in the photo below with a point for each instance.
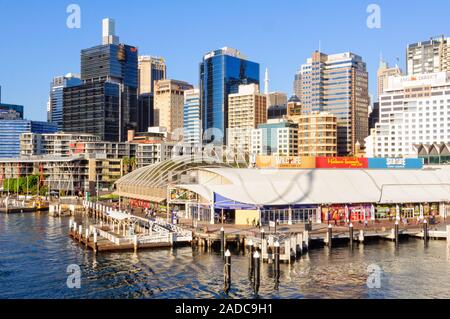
(227, 272)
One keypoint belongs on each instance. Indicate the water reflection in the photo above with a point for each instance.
(36, 251)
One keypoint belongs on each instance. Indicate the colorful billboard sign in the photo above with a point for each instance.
(285, 162)
(342, 162)
(395, 163)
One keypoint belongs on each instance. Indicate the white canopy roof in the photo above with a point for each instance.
(118, 215)
(327, 186)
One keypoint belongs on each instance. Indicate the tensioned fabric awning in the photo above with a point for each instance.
(119, 216)
(221, 202)
(266, 188)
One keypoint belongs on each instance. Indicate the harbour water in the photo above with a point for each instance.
(35, 251)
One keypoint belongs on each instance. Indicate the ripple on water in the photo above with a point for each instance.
(35, 252)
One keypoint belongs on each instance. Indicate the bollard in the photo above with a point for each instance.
(257, 272)
(396, 226)
(95, 241)
(250, 259)
(263, 234)
(227, 272)
(75, 229)
(330, 235)
(448, 235)
(87, 236)
(222, 241)
(80, 232)
(70, 225)
(425, 231)
(135, 241)
(277, 259)
(350, 234)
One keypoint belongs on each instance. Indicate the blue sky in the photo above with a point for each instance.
(36, 44)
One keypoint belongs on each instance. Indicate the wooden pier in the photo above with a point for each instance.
(114, 230)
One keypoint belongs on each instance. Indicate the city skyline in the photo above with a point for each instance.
(261, 39)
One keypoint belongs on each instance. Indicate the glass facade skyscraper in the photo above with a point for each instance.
(11, 130)
(221, 73)
(11, 112)
(191, 117)
(106, 104)
(57, 97)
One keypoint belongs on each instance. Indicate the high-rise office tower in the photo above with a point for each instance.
(338, 84)
(246, 110)
(145, 112)
(383, 73)
(191, 117)
(106, 103)
(221, 73)
(298, 84)
(151, 69)
(169, 104)
(56, 100)
(428, 56)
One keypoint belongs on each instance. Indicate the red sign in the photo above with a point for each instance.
(342, 162)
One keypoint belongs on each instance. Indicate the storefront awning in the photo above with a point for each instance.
(221, 202)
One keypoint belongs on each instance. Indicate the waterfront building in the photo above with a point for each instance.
(434, 154)
(276, 137)
(338, 84)
(55, 144)
(246, 110)
(56, 99)
(248, 197)
(192, 123)
(106, 103)
(11, 130)
(151, 69)
(317, 134)
(221, 73)
(413, 110)
(383, 74)
(428, 56)
(68, 175)
(169, 104)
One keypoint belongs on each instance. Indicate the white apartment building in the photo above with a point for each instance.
(56, 144)
(414, 109)
(277, 137)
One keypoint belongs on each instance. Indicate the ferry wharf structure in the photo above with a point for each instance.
(294, 207)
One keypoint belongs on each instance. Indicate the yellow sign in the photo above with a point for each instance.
(285, 162)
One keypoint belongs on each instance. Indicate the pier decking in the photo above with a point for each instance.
(114, 230)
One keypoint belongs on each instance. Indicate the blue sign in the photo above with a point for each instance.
(395, 163)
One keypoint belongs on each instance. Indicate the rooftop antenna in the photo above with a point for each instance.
(266, 82)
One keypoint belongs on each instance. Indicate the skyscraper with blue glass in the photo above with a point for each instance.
(55, 111)
(221, 73)
(191, 117)
(11, 130)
